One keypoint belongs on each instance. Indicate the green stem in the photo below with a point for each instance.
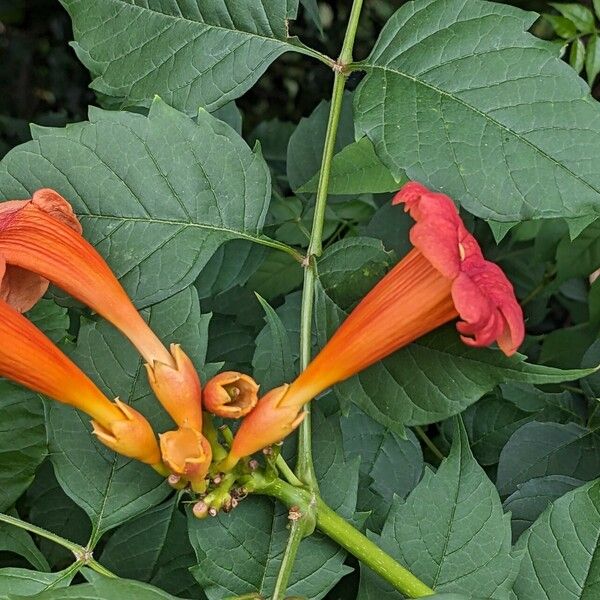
(61, 541)
(305, 468)
(276, 245)
(348, 45)
(369, 553)
(96, 566)
(287, 562)
(285, 470)
(429, 443)
(83, 555)
(339, 530)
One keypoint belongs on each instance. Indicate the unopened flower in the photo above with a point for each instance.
(28, 357)
(186, 452)
(41, 241)
(230, 394)
(443, 277)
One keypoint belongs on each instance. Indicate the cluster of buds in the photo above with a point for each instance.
(444, 277)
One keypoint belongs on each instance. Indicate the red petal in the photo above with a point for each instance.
(439, 232)
(487, 306)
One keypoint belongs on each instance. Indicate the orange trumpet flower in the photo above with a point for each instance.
(28, 357)
(443, 277)
(41, 241)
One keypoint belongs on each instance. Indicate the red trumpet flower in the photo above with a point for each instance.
(28, 357)
(443, 277)
(40, 241)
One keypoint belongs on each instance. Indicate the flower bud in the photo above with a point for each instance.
(267, 424)
(186, 452)
(230, 394)
(178, 388)
(130, 436)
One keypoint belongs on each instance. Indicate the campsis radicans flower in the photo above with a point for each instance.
(41, 242)
(29, 358)
(230, 394)
(443, 277)
(187, 453)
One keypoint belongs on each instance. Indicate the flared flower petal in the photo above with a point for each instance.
(18, 287)
(28, 357)
(482, 294)
(230, 394)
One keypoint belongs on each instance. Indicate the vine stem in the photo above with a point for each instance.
(82, 554)
(347, 536)
(305, 468)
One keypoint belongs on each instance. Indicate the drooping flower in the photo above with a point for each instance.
(443, 277)
(41, 241)
(28, 357)
(230, 394)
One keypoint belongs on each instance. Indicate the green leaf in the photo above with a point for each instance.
(24, 582)
(193, 54)
(563, 27)
(51, 509)
(390, 466)
(567, 347)
(357, 170)
(577, 55)
(477, 77)
(289, 315)
(391, 226)
(561, 555)
(231, 265)
(240, 552)
(596, 4)
(273, 361)
(579, 257)
(312, 10)
(154, 548)
(18, 541)
(52, 319)
(591, 383)
(489, 424)
(450, 532)
(540, 449)
(151, 192)
(446, 376)
(22, 441)
(305, 148)
(230, 343)
(592, 59)
(107, 588)
(349, 268)
(531, 498)
(580, 15)
(278, 275)
(556, 406)
(110, 488)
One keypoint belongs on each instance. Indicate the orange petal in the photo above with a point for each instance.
(178, 388)
(28, 357)
(41, 236)
(268, 423)
(230, 395)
